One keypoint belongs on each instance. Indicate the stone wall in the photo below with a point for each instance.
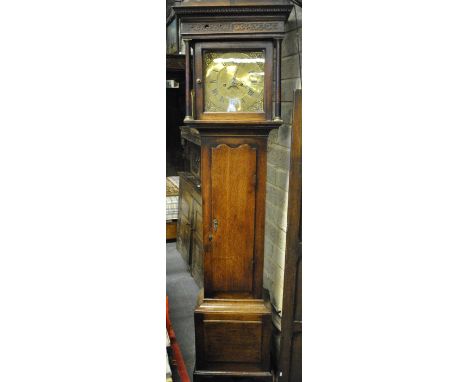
(279, 143)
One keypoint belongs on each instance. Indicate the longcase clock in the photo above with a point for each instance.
(233, 88)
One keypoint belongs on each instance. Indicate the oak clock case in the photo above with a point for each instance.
(233, 100)
(231, 76)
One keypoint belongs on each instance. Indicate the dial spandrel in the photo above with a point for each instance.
(234, 81)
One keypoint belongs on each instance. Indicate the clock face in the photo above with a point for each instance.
(234, 81)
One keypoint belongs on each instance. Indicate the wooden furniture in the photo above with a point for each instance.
(189, 226)
(235, 105)
(172, 198)
(175, 112)
(290, 363)
(191, 142)
(171, 230)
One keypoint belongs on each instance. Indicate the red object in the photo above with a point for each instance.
(177, 354)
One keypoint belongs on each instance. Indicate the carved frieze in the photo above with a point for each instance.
(233, 27)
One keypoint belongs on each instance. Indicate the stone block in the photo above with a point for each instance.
(300, 39)
(276, 215)
(284, 136)
(289, 44)
(295, 19)
(281, 240)
(286, 112)
(273, 234)
(270, 232)
(282, 179)
(276, 254)
(276, 196)
(270, 214)
(287, 88)
(279, 257)
(267, 269)
(271, 174)
(290, 67)
(276, 235)
(272, 137)
(278, 156)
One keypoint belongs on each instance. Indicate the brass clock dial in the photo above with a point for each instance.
(234, 81)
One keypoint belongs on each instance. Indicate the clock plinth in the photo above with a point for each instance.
(234, 107)
(232, 339)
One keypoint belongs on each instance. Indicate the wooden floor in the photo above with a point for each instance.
(182, 292)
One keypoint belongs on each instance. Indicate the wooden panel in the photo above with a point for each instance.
(185, 202)
(197, 261)
(258, 208)
(240, 335)
(197, 220)
(197, 246)
(290, 362)
(298, 299)
(183, 239)
(296, 359)
(233, 177)
(244, 339)
(231, 27)
(171, 230)
(194, 159)
(184, 233)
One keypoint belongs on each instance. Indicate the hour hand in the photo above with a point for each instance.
(234, 83)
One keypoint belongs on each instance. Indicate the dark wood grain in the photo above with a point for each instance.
(175, 63)
(244, 338)
(175, 112)
(278, 79)
(233, 337)
(190, 225)
(237, 187)
(188, 100)
(290, 362)
(184, 221)
(233, 176)
(196, 246)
